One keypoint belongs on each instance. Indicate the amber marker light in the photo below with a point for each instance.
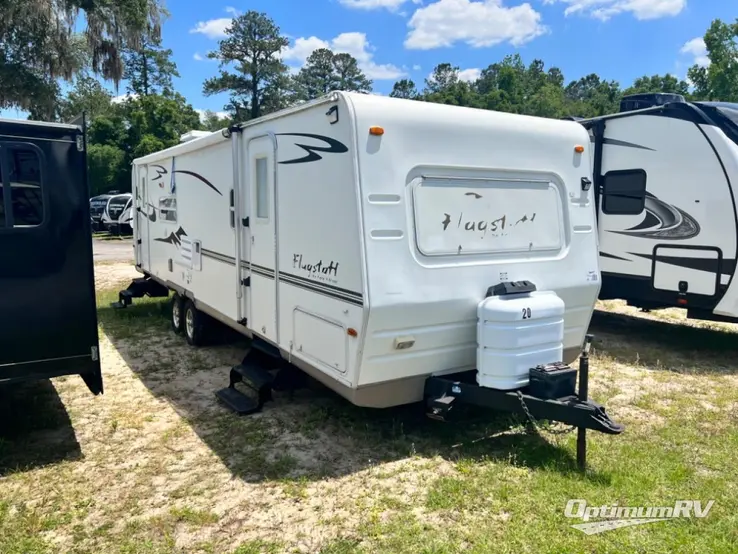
(352, 332)
(376, 131)
(579, 149)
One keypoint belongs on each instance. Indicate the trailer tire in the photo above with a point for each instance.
(176, 315)
(194, 324)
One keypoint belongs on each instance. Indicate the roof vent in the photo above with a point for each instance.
(192, 135)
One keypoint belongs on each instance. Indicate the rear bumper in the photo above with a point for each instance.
(36, 370)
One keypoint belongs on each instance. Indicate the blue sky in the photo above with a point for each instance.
(392, 39)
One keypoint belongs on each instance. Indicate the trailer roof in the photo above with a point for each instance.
(40, 124)
(441, 111)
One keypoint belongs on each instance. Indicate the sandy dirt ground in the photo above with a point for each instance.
(156, 464)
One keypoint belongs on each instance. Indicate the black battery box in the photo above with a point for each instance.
(551, 381)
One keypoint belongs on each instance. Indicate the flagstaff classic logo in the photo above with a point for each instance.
(611, 517)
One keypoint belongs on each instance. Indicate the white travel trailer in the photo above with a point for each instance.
(363, 237)
(664, 177)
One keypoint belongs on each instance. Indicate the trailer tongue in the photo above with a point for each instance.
(547, 397)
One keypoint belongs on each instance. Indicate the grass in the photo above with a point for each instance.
(156, 466)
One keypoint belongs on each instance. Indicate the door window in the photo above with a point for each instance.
(22, 192)
(262, 189)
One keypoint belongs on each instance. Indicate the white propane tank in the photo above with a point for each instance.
(516, 332)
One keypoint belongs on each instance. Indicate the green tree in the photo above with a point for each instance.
(88, 96)
(317, 76)
(591, 96)
(502, 85)
(39, 44)
(253, 43)
(718, 81)
(658, 83)
(349, 76)
(404, 88)
(149, 69)
(107, 170)
(325, 71)
(213, 122)
(443, 77)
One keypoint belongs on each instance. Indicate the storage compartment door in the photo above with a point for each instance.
(690, 270)
(321, 340)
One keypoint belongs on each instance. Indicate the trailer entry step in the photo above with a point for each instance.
(254, 376)
(238, 402)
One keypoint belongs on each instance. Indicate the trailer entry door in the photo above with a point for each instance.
(261, 294)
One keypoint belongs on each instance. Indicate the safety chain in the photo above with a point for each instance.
(539, 426)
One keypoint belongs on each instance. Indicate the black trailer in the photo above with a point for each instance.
(48, 319)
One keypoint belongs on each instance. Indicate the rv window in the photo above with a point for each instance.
(168, 208)
(25, 188)
(624, 192)
(262, 189)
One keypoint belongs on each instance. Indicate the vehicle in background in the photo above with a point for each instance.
(117, 215)
(664, 173)
(97, 209)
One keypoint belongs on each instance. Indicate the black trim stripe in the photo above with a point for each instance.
(218, 256)
(338, 293)
(261, 270)
(323, 288)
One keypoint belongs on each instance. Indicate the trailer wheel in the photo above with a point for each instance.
(194, 324)
(176, 314)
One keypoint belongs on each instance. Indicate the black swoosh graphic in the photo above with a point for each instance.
(613, 257)
(334, 147)
(160, 172)
(198, 176)
(174, 238)
(663, 221)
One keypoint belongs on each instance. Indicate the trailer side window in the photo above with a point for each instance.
(26, 198)
(168, 208)
(262, 189)
(624, 192)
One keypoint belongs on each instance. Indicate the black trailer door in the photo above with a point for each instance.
(48, 321)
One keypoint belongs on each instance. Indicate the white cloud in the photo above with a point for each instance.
(416, 67)
(215, 28)
(390, 5)
(469, 75)
(478, 24)
(197, 57)
(641, 9)
(123, 97)
(355, 44)
(697, 49)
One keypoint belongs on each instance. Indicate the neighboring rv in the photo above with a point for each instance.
(117, 217)
(97, 209)
(664, 177)
(47, 291)
(378, 244)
